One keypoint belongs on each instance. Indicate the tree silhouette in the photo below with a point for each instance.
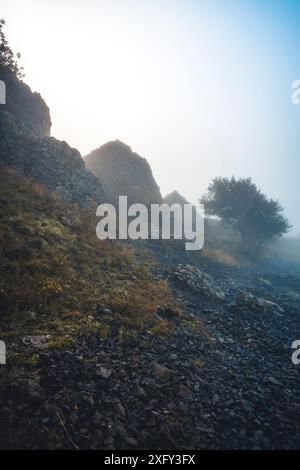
(240, 204)
(8, 59)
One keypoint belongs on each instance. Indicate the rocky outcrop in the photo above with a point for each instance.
(123, 172)
(27, 107)
(26, 146)
(198, 281)
(175, 198)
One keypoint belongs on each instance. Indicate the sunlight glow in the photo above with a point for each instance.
(194, 86)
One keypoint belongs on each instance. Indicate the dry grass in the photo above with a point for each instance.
(222, 257)
(55, 273)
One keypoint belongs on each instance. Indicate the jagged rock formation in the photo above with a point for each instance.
(26, 106)
(26, 146)
(175, 198)
(123, 172)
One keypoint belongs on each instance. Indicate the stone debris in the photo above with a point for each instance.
(199, 281)
(36, 341)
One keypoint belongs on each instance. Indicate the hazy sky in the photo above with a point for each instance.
(199, 88)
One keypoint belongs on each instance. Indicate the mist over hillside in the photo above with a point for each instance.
(137, 344)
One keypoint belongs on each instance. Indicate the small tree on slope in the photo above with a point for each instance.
(240, 204)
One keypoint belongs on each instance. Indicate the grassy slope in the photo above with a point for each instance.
(56, 275)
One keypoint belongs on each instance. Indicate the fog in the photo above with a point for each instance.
(200, 89)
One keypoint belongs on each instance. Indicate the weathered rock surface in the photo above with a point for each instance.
(37, 341)
(199, 281)
(123, 173)
(27, 107)
(26, 147)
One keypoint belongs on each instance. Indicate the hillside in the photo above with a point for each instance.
(134, 344)
(104, 353)
(52, 264)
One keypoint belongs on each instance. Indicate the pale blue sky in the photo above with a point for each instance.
(199, 88)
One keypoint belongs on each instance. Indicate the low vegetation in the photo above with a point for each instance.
(57, 277)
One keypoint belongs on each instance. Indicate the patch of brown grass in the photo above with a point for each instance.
(53, 264)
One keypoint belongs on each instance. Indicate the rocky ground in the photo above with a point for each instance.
(218, 376)
(222, 379)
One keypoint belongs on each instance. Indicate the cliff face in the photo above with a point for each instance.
(123, 172)
(26, 106)
(26, 146)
